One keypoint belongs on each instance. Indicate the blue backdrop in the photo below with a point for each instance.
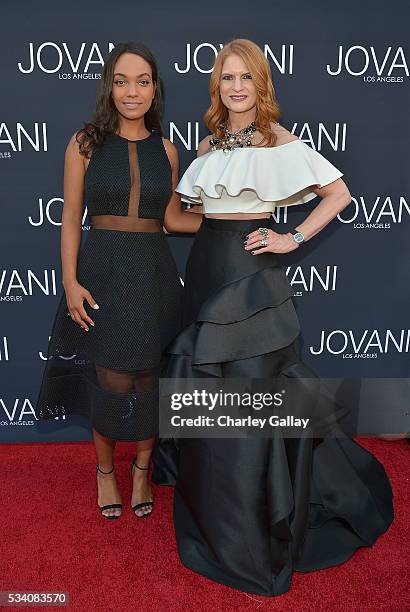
(342, 80)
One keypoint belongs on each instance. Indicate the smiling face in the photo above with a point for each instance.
(133, 88)
(236, 87)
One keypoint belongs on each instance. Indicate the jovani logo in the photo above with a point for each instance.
(324, 279)
(50, 211)
(17, 412)
(188, 135)
(320, 137)
(20, 138)
(15, 285)
(202, 58)
(374, 65)
(4, 349)
(69, 62)
(381, 213)
(367, 344)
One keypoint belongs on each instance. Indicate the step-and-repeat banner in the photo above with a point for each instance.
(341, 74)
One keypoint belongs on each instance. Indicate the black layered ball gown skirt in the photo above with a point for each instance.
(250, 511)
(110, 374)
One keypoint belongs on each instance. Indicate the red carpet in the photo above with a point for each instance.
(53, 539)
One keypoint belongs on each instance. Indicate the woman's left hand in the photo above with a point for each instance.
(275, 243)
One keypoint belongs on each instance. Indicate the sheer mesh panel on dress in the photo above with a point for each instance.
(132, 222)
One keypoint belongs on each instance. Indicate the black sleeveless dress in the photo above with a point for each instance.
(110, 373)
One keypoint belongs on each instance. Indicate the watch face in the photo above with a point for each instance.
(298, 237)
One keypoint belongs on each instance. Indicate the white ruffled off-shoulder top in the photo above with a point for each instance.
(256, 179)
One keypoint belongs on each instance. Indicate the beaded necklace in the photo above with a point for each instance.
(233, 140)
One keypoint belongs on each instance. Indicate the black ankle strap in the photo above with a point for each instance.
(100, 470)
(137, 466)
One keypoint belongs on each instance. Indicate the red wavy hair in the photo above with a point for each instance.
(267, 107)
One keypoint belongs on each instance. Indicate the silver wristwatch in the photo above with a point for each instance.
(297, 235)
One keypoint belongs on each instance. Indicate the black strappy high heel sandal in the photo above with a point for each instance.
(108, 506)
(144, 503)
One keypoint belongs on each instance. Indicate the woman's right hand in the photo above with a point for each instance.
(75, 296)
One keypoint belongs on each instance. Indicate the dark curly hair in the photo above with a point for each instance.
(105, 119)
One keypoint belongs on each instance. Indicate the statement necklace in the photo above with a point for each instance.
(233, 140)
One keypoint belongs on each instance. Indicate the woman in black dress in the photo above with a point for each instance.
(249, 511)
(122, 301)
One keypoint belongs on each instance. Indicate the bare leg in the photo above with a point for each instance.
(141, 489)
(108, 492)
(125, 382)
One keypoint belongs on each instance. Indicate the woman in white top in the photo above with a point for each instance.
(250, 511)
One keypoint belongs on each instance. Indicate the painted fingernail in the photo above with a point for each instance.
(92, 324)
(253, 252)
(96, 306)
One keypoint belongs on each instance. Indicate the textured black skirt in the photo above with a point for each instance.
(110, 373)
(248, 512)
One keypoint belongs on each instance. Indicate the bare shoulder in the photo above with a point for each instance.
(282, 134)
(204, 145)
(73, 157)
(172, 151)
(73, 147)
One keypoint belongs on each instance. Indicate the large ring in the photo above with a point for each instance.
(263, 230)
(263, 243)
